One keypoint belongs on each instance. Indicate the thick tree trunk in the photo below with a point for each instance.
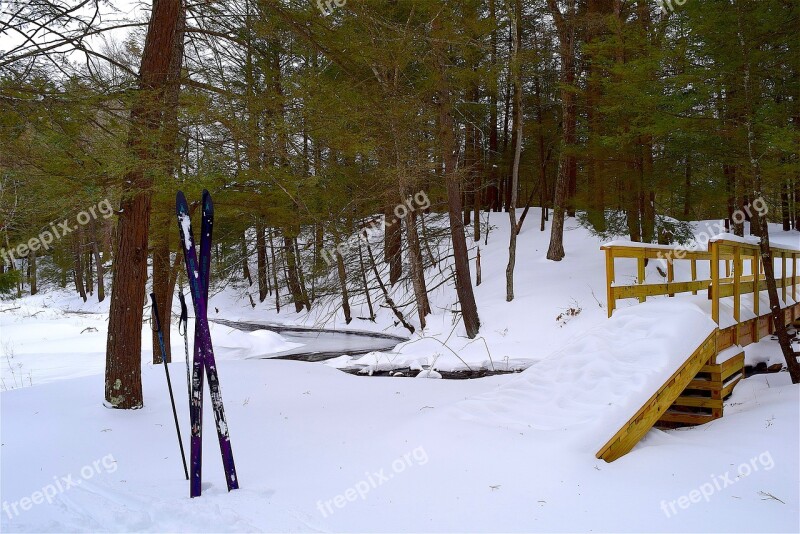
(449, 146)
(123, 378)
(170, 161)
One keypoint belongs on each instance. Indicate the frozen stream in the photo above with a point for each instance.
(319, 344)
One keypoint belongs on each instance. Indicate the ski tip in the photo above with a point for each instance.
(207, 202)
(180, 202)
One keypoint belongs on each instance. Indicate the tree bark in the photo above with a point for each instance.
(123, 377)
(449, 146)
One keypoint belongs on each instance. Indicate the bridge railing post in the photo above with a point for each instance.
(714, 249)
(612, 304)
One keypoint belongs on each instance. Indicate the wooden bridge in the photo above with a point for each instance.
(731, 284)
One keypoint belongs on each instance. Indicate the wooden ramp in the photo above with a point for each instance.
(695, 393)
(656, 407)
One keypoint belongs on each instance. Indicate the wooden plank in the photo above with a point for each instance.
(732, 366)
(651, 290)
(705, 385)
(728, 289)
(678, 253)
(644, 419)
(697, 402)
(688, 418)
(726, 368)
(749, 249)
(694, 274)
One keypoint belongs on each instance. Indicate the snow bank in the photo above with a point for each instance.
(595, 384)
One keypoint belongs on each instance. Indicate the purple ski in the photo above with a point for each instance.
(198, 275)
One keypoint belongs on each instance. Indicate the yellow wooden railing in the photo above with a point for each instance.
(731, 254)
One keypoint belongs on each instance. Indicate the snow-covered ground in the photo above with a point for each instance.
(320, 450)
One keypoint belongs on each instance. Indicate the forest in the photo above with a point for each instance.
(310, 119)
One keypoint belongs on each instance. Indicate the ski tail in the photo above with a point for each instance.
(196, 396)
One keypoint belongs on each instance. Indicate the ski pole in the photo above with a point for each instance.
(169, 382)
(184, 323)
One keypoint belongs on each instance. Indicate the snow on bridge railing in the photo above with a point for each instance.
(732, 251)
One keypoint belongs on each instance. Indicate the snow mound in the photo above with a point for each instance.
(237, 344)
(594, 384)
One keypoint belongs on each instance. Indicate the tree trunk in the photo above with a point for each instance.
(417, 268)
(32, 272)
(300, 276)
(343, 284)
(78, 265)
(170, 161)
(393, 246)
(565, 24)
(123, 378)
(246, 274)
(516, 75)
(386, 296)
(274, 273)
(776, 312)
(261, 255)
(449, 147)
(293, 280)
(785, 216)
(366, 284)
